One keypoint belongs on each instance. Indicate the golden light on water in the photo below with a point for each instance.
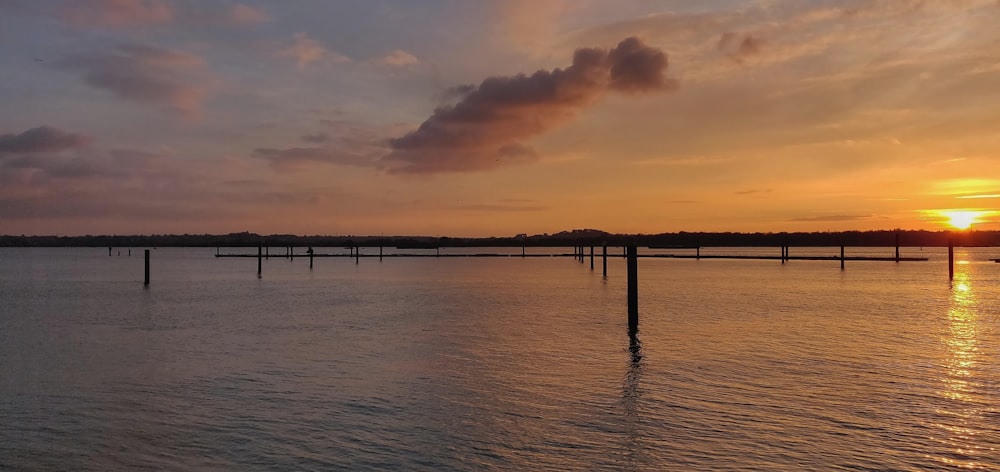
(960, 381)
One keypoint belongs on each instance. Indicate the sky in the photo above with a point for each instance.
(500, 117)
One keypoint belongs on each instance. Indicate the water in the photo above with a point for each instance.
(496, 364)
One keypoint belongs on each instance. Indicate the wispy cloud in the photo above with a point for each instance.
(484, 129)
(397, 58)
(145, 74)
(118, 13)
(306, 51)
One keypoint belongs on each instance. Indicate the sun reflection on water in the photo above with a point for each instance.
(960, 382)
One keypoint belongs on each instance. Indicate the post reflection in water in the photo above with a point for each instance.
(962, 387)
(630, 403)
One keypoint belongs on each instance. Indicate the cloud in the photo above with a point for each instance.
(41, 139)
(832, 218)
(398, 58)
(117, 13)
(484, 128)
(247, 15)
(147, 13)
(291, 158)
(306, 50)
(318, 138)
(738, 49)
(145, 74)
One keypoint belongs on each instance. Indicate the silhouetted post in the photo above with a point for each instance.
(267, 251)
(218, 251)
(357, 254)
(522, 249)
(951, 261)
(782, 253)
(129, 252)
(310, 258)
(632, 257)
(109, 251)
(604, 258)
(697, 253)
(380, 253)
(146, 280)
(841, 257)
(897, 246)
(258, 261)
(591, 257)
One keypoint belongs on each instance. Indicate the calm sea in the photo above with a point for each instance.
(497, 364)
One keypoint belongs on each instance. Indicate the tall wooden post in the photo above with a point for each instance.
(632, 254)
(604, 258)
(258, 261)
(841, 257)
(591, 257)
(951, 261)
(146, 279)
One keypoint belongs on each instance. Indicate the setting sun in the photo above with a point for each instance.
(962, 219)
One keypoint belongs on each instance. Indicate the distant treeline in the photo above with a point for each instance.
(563, 239)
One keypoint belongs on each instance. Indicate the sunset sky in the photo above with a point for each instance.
(478, 118)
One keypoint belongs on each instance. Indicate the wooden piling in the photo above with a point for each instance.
(782, 253)
(357, 254)
(522, 250)
(604, 258)
(380, 253)
(897, 246)
(146, 279)
(591, 257)
(842, 257)
(258, 262)
(632, 258)
(951, 261)
(109, 251)
(310, 259)
(697, 253)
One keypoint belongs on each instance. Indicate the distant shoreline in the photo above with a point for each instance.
(881, 238)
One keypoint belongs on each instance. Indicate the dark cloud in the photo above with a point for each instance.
(41, 139)
(146, 74)
(486, 127)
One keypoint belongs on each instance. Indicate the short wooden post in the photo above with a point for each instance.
(697, 253)
(841, 257)
(604, 258)
(258, 262)
(380, 253)
(782, 253)
(591, 257)
(310, 260)
(632, 254)
(951, 261)
(897, 246)
(146, 280)
(109, 251)
(357, 254)
(522, 250)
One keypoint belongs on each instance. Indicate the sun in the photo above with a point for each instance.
(962, 219)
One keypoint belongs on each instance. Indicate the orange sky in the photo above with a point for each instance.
(181, 116)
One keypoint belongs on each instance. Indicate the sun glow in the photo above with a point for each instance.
(962, 219)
